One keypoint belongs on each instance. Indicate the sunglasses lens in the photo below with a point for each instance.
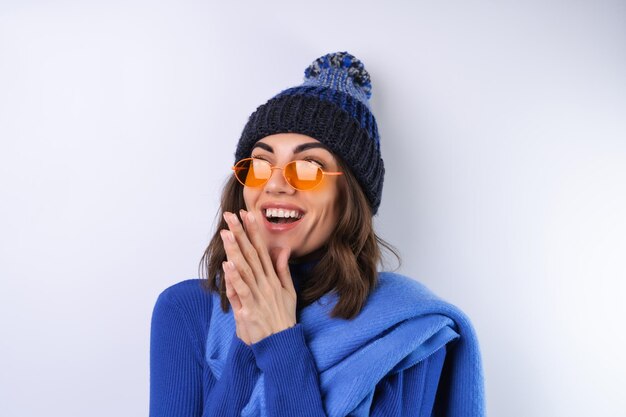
(303, 175)
(253, 172)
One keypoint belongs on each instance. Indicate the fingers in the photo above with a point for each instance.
(230, 291)
(237, 285)
(242, 249)
(280, 258)
(230, 275)
(252, 229)
(238, 261)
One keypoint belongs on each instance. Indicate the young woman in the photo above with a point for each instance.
(294, 318)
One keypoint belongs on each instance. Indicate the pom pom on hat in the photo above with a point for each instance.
(343, 61)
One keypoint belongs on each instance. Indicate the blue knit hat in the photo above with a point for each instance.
(331, 106)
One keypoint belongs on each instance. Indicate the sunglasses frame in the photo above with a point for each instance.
(272, 168)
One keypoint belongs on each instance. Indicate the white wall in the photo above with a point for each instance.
(118, 124)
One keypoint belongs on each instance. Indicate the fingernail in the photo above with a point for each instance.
(251, 218)
(227, 234)
(231, 265)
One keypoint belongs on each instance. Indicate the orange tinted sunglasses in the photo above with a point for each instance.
(301, 175)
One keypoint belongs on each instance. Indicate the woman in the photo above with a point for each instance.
(293, 318)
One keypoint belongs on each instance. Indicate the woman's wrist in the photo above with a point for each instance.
(280, 349)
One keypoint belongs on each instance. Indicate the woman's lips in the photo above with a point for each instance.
(280, 227)
(279, 210)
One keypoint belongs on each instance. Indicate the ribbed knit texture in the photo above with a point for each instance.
(297, 365)
(180, 322)
(184, 384)
(401, 324)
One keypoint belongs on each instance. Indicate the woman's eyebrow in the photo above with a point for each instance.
(310, 145)
(300, 148)
(263, 146)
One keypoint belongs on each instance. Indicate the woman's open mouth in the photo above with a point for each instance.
(278, 215)
(278, 219)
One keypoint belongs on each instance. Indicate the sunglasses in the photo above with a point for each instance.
(301, 175)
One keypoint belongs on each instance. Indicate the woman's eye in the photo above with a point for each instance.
(315, 161)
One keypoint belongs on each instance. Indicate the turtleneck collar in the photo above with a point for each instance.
(300, 271)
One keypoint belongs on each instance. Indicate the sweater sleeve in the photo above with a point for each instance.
(180, 383)
(292, 382)
(176, 369)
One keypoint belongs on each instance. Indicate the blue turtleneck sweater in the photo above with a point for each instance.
(182, 384)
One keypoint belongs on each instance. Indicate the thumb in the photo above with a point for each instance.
(280, 259)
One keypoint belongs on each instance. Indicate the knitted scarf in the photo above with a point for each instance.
(401, 324)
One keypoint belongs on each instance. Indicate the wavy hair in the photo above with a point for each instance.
(349, 261)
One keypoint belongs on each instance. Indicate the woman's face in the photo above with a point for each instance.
(317, 207)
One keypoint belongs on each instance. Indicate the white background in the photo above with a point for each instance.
(503, 130)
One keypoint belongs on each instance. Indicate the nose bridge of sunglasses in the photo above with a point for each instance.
(263, 171)
(279, 176)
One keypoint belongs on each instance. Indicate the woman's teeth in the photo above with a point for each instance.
(281, 215)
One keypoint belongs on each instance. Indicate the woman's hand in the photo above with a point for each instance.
(258, 283)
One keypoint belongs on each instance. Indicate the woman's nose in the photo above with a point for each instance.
(277, 183)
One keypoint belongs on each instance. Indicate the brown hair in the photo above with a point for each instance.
(349, 261)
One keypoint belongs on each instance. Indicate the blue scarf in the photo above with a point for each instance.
(401, 324)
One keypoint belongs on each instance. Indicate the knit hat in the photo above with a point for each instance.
(331, 106)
